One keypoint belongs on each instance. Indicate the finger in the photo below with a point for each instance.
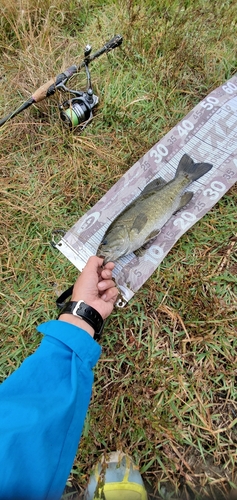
(106, 271)
(105, 284)
(110, 295)
(93, 263)
(109, 265)
(106, 274)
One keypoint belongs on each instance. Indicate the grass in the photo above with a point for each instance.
(165, 387)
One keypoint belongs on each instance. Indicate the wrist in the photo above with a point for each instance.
(80, 311)
(79, 322)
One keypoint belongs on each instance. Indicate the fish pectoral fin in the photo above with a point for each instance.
(139, 223)
(154, 185)
(152, 235)
(184, 200)
(140, 251)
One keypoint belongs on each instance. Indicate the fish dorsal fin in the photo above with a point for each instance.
(154, 185)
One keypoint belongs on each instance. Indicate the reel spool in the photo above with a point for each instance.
(78, 111)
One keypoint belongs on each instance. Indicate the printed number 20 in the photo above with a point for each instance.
(185, 220)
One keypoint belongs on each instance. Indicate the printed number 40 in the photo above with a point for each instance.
(185, 127)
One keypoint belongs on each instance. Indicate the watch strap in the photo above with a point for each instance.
(61, 300)
(89, 314)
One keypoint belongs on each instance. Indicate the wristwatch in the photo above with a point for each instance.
(81, 310)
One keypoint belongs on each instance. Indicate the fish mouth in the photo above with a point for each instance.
(106, 256)
(110, 255)
(111, 252)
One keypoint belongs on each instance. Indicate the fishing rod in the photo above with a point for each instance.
(79, 109)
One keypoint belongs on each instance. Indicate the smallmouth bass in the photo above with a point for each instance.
(142, 220)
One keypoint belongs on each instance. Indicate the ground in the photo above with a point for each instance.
(165, 386)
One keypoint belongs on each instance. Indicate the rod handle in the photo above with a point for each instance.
(50, 87)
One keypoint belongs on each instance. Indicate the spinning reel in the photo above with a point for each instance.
(77, 111)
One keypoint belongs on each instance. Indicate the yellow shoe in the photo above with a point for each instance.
(116, 478)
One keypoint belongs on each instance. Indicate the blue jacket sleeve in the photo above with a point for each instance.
(42, 410)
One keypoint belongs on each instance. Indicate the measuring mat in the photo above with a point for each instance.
(208, 134)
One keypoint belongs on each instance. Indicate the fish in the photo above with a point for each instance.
(142, 220)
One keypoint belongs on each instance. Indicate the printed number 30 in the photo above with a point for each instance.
(159, 152)
(214, 190)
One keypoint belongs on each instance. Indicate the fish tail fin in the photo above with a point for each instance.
(193, 170)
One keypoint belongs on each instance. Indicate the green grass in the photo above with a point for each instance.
(165, 387)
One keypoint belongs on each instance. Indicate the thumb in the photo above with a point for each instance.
(94, 263)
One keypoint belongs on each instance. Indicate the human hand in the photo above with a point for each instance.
(96, 287)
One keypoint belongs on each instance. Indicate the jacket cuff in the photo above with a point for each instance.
(77, 339)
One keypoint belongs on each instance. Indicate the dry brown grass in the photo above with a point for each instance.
(165, 388)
